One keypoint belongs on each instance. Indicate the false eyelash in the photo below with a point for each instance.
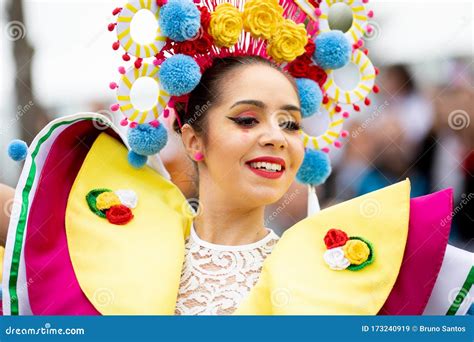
(243, 121)
(294, 125)
(246, 121)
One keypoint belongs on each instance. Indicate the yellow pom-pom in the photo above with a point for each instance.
(106, 200)
(356, 251)
(226, 25)
(288, 42)
(262, 17)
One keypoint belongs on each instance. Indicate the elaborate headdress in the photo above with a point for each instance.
(295, 35)
(65, 223)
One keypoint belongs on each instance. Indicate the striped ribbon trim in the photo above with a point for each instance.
(466, 287)
(20, 230)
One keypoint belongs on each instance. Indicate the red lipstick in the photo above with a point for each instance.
(265, 173)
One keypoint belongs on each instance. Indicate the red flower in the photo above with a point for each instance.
(205, 17)
(187, 48)
(317, 74)
(310, 48)
(299, 67)
(200, 45)
(119, 214)
(204, 43)
(303, 67)
(335, 238)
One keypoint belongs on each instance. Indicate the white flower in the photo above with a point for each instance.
(128, 198)
(335, 259)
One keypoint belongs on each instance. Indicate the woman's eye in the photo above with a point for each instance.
(290, 125)
(245, 121)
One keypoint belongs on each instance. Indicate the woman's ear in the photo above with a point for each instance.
(191, 141)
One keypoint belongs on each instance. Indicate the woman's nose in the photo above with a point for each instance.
(274, 136)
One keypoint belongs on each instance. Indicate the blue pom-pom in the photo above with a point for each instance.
(311, 96)
(17, 150)
(179, 74)
(333, 50)
(315, 169)
(136, 160)
(180, 20)
(147, 140)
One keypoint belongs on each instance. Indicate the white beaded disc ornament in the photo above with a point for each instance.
(361, 90)
(359, 18)
(124, 21)
(336, 117)
(132, 113)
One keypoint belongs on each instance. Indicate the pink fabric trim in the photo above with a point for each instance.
(53, 288)
(430, 223)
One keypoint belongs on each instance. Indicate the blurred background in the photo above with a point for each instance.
(56, 59)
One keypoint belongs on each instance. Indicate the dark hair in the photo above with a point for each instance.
(402, 72)
(209, 90)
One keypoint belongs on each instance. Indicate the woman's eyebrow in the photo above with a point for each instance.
(249, 102)
(262, 105)
(291, 107)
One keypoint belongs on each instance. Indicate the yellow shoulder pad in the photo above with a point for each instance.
(133, 268)
(296, 280)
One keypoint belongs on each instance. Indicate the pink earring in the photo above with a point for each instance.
(198, 156)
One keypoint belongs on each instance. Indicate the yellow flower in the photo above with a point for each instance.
(262, 17)
(226, 25)
(356, 251)
(288, 42)
(106, 200)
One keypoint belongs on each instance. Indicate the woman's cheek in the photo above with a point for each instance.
(245, 136)
(238, 138)
(297, 151)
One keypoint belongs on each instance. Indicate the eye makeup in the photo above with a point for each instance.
(245, 121)
(251, 121)
(249, 117)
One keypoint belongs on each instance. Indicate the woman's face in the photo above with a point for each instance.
(253, 148)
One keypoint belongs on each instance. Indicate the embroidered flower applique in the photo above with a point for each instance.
(115, 206)
(344, 252)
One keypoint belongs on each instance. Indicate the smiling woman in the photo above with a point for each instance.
(251, 123)
(115, 236)
(250, 151)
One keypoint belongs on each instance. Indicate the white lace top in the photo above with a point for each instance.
(216, 278)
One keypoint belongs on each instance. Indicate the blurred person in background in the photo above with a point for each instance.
(384, 143)
(407, 103)
(399, 132)
(358, 151)
(447, 153)
(391, 160)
